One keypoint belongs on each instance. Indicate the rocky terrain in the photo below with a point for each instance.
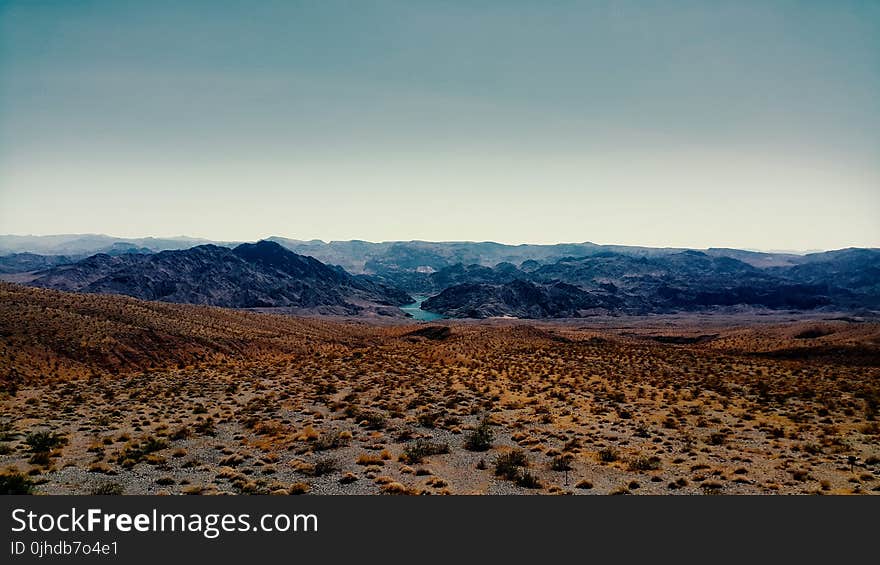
(260, 275)
(113, 395)
(520, 299)
(686, 281)
(29, 262)
(461, 279)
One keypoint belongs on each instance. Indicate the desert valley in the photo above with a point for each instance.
(290, 369)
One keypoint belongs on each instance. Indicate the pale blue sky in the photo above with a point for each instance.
(745, 124)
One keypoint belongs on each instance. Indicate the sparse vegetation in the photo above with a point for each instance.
(651, 463)
(42, 442)
(323, 466)
(507, 465)
(329, 441)
(480, 439)
(561, 463)
(235, 402)
(299, 488)
(527, 480)
(108, 489)
(417, 451)
(368, 459)
(15, 483)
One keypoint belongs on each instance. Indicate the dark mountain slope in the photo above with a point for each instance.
(520, 299)
(25, 262)
(260, 275)
(76, 276)
(689, 280)
(851, 275)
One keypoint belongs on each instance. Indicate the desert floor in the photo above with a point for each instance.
(105, 394)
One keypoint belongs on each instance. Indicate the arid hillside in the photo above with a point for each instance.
(114, 395)
(48, 334)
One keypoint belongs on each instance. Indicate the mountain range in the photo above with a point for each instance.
(83, 245)
(251, 275)
(366, 257)
(686, 281)
(462, 279)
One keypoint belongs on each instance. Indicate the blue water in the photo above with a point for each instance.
(417, 313)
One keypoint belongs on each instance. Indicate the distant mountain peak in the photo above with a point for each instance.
(262, 248)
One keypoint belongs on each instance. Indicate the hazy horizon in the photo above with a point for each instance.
(746, 125)
(222, 240)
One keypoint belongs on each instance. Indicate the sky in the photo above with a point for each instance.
(746, 124)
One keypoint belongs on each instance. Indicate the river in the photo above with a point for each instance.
(414, 310)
